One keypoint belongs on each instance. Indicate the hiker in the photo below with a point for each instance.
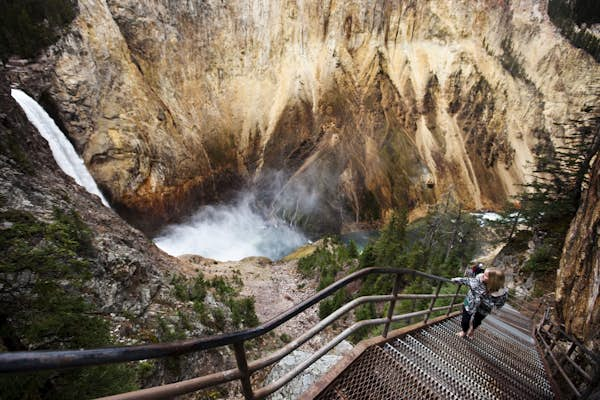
(475, 270)
(486, 292)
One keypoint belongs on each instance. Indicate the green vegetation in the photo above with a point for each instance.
(327, 262)
(226, 291)
(42, 272)
(285, 338)
(27, 26)
(566, 15)
(548, 204)
(439, 244)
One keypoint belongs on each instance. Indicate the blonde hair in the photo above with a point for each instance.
(495, 279)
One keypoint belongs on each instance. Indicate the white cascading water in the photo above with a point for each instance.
(224, 232)
(231, 232)
(65, 155)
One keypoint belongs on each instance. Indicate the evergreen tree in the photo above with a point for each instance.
(444, 241)
(550, 201)
(571, 18)
(391, 243)
(26, 26)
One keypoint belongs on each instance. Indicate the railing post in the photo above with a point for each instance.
(240, 357)
(390, 312)
(552, 336)
(537, 309)
(413, 301)
(437, 292)
(453, 300)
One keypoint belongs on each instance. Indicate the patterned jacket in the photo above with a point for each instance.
(478, 299)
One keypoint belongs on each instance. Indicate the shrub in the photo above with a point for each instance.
(42, 273)
(566, 18)
(223, 290)
(218, 317)
(327, 261)
(27, 26)
(365, 311)
(285, 338)
(243, 312)
(328, 306)
(226, 290)
(544, 259)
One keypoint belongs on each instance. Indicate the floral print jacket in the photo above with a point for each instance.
(478, 299)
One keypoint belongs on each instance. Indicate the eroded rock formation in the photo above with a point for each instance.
(357, 107)
(130, 284)
(578, 279)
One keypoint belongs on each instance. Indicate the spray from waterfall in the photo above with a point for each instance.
(65, 155)
(230, 232)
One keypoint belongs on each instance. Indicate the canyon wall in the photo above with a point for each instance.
(337, 111)
(122, 278)
(578, 279)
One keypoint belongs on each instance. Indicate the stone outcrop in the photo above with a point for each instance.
(130, 284)
(578, 279)
(135, 270)
(353, 107)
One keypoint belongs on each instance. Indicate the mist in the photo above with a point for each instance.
(231, 232)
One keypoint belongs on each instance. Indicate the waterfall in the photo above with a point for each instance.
(65, 155)
(223, 232)
(230, 232)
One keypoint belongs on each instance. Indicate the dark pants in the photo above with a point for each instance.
(466, 319)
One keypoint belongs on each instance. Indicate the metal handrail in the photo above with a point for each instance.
(522, 303)
(43, 360)
(548, 346)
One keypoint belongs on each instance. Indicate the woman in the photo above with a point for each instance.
(486, 292)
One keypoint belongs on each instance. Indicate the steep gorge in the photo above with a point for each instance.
(336, 112)
(578, 279)
(355, 108)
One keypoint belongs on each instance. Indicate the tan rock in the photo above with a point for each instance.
(578, 278)
(359, 107)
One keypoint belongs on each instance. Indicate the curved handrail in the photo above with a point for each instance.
(522, 304)
(548, 339)
(42, 360)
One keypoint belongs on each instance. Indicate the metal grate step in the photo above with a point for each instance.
(497, 349)
(376, 375)
(499, 363)
(506, 373)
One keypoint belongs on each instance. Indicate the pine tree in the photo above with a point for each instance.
(391, 242)
(550, 201)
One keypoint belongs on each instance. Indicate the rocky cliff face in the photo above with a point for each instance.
(356, 107)
(578, 279)
(130, 284)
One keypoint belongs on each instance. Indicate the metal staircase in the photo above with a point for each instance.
(422, 361)
(501, 361)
